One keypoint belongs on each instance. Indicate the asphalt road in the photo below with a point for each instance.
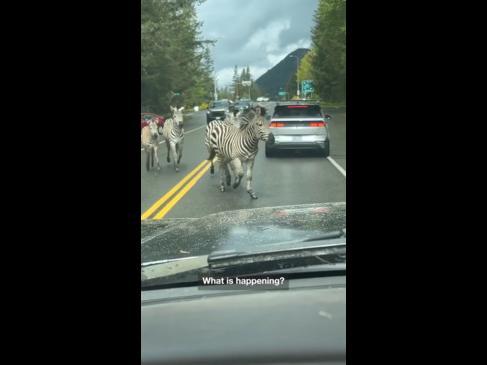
(294, 178)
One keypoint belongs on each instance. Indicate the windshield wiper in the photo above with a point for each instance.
(328, 236)
(328, 252)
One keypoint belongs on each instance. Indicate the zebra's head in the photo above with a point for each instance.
(154, 132)
(253, 120)
(177, 116)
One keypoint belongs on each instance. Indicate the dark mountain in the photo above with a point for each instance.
(278, 76)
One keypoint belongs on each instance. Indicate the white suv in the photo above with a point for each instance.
(298, 126)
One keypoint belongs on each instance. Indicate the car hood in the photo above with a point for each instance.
(238, 230)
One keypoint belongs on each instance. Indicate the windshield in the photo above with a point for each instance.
(219, 105)
(242, 103)
(218, 174)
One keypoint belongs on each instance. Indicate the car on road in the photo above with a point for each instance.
(145, 117)
(298, 125)
(242, 105)
(218, 109)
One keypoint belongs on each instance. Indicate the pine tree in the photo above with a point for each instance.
(174, 59)
(328, 62)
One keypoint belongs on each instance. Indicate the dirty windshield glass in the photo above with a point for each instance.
(216, 178)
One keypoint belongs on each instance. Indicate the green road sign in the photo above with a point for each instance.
(282, 93)
(307, 86)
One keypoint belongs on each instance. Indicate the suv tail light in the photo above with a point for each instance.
(317, 124)
(276, 125)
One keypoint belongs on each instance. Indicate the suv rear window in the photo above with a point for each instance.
(306, 111)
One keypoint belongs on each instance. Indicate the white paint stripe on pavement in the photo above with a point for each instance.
(185, 133)
(339, 168)
(194, 129)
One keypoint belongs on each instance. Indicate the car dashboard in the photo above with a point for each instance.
(304, 324)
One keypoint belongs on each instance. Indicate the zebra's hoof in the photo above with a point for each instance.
(252, 195)
(177, 169)
(222, 188)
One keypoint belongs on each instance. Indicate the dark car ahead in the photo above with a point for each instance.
(242, 105)
(218, 110)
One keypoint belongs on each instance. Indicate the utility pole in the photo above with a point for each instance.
(247, 83)
(215, 93)
(297, 78)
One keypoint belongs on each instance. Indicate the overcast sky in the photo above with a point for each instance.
(258, 33)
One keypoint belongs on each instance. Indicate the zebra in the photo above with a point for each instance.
(173, 133)
(237, 144)
(230, 119)
(150, 141)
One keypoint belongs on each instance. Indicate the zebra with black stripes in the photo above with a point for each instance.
(230, 119)
(173, 133)
(235, 145)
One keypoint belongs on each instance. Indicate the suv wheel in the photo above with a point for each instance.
(326, 151)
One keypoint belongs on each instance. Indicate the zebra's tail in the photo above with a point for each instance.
(210, 158)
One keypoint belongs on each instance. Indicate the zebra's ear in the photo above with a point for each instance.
(181, 109)
(173, 108)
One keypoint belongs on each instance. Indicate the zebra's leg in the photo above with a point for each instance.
(250, 167)
(211, 157)
(180, 151)
(174, 156)
(147, 160)
(168, 159)
(221, 167)
(237, 170)
(156, 157)
(228, 176)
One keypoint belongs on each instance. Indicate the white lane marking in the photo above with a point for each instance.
(185, 133)
(339, 168)
(195, 129)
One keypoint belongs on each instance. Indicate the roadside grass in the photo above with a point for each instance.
(332, 104)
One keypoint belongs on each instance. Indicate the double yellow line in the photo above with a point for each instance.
(177, 192)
